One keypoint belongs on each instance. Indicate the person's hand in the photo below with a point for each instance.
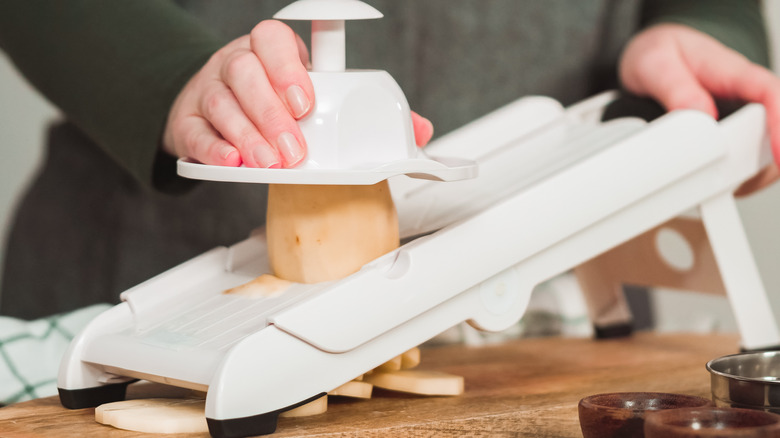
(243, 105)
(683, 68)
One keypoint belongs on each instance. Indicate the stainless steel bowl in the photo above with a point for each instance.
(747, 380)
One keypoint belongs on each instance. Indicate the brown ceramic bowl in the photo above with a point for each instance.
(622, 414)
(712, 423)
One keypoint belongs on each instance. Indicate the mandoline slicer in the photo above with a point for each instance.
(556, 187)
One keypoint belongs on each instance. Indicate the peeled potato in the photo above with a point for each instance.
(326, 232)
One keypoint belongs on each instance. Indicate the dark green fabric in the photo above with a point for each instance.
(113, 67)
(736, 23)
(86, 229)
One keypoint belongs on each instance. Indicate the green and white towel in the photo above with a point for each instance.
(31, 351)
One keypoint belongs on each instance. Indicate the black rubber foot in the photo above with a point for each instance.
(758, 350)
(92, 397)
(261, 424)
(613, 331)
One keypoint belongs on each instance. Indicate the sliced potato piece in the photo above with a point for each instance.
(355, 389)
(263, 286)
(417, 382)
(410, 359)
(316, 407)
(155, 415)
(393, 364)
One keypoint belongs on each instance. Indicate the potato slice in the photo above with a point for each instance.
(156, 415)
(263, 286)
(410, 359)
(417, 382)
(393, 364)
(354, 389)
(316, 407)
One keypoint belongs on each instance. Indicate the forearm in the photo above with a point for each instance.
(113, 67)
(735, 23)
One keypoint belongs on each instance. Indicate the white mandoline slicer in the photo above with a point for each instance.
(556, 188)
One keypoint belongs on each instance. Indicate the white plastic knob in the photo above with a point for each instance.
(328, 46)
(328, 40)
(328, 10)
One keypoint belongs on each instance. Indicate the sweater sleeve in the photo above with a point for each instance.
(738, 24)
(113, 67)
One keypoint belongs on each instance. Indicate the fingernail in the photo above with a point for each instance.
(265, 157)
(290, 149)
(225, 151)
(299, 103)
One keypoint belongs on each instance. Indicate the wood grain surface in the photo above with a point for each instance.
(527, 388)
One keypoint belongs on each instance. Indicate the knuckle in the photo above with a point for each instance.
(287, 74)
(237, 65)
(249, 138)
(270, 28)
(216, 102)
(274, 115)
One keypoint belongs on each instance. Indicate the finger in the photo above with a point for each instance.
(740, 79)
(423, 129)
(303, 51)
(760, 85)
(248, 82)
(279, 51)
(664, 75)
(222, 110)
(764, 178)
(201, 142)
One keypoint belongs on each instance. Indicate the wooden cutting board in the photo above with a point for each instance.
(527, 387)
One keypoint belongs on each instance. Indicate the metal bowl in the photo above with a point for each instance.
(746, 380)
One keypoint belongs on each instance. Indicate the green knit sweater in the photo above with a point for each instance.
(115, 67)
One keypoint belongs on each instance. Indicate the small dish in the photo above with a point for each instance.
(712, 422)
(622, 414)
(746, 380)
